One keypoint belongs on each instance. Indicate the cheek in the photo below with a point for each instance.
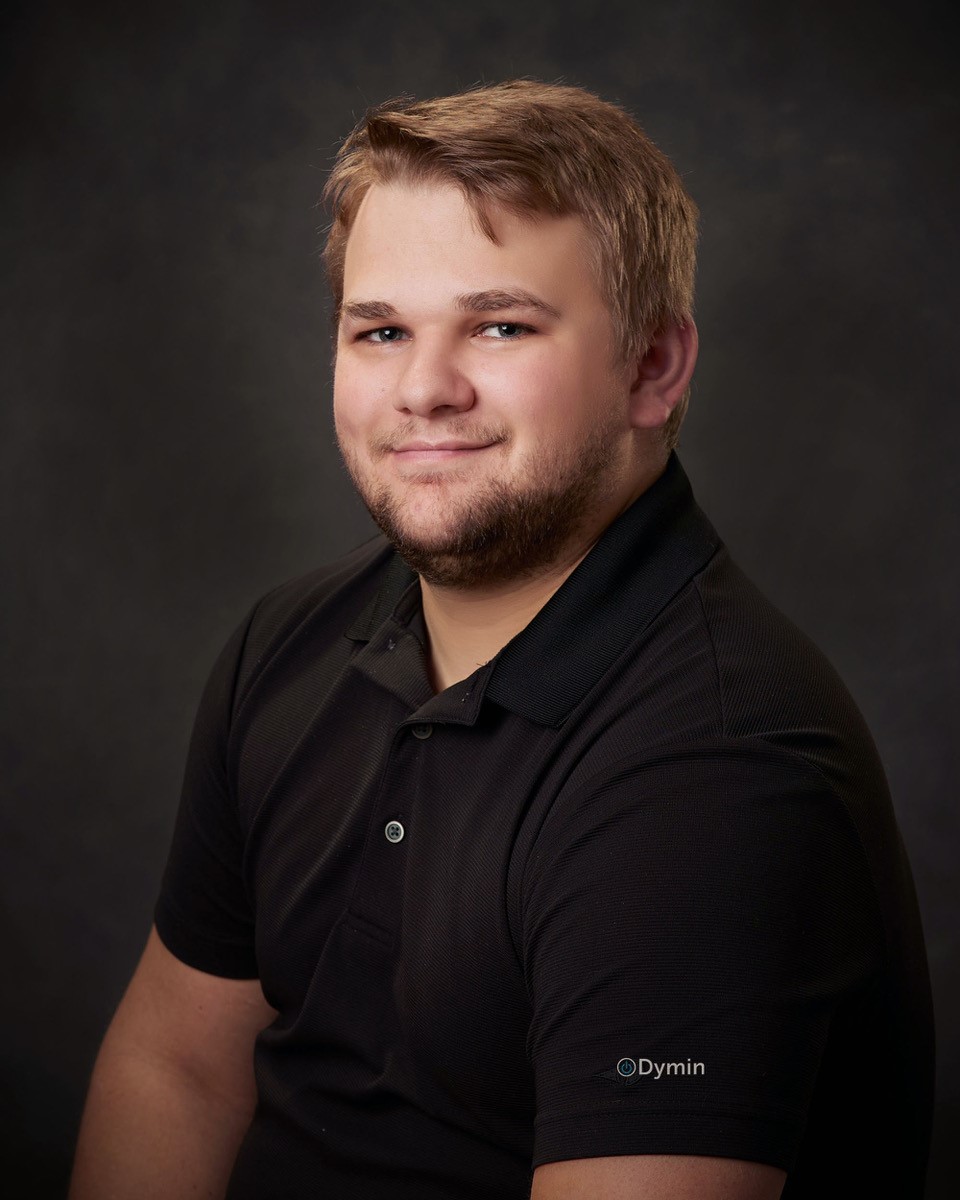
(351, 432)
(547, 395)
(527, 383)
(341, 420)
(351, 401)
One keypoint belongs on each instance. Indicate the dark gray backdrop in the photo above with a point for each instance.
(167, 443)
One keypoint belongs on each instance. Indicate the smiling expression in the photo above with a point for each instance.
(477, 402)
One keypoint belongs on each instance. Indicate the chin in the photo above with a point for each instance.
(432, 514)
(425, 537)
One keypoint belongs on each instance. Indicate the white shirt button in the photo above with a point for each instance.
(422, 731)
(393, 831)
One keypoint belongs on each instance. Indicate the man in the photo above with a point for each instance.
(526, 849)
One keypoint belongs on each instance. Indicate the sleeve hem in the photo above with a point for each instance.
(236, 961)
(756, 1138)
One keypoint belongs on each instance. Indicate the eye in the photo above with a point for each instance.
(505, 331)
(388, 333)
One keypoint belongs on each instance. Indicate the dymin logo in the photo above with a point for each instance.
(633, 1068)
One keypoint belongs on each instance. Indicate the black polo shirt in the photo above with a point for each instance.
(635, 886)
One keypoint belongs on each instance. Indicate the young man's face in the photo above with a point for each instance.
(502, 351)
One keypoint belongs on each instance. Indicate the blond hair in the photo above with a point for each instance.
(537, 148)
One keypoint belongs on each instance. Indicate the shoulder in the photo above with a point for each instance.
(325, 600)
(774, 682)
(756, 645)
(352, 579)
(725, 713)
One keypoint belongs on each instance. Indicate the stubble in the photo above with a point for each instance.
(500, 530)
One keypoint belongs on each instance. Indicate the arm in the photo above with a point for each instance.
(705, 915)
(657, 1177)
(172, 1091)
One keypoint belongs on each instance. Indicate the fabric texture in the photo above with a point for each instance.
(634, 886)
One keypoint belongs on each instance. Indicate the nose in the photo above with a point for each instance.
(431, 379)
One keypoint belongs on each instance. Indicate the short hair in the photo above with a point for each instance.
(540, 149)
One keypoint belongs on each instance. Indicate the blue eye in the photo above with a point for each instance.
(389, 333)
(506, 331)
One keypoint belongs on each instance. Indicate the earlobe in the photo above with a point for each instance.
(663, 375)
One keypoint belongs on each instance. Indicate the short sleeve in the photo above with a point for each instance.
(689, 928)
(203, 914)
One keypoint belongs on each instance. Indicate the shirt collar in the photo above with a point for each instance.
(637, 565)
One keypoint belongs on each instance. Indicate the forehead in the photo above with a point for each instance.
(410, 239)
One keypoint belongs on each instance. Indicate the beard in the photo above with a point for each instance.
(502, 529)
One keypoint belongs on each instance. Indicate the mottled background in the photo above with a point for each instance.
(167, 446)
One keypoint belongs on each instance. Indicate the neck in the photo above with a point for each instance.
(468, 627)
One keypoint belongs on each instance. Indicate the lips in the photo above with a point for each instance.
(449, 450)
(448, 445)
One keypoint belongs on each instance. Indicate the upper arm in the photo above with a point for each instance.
(657, 1177)
(189, 1021)
(688, 931)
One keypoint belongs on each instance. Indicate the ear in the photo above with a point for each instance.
(662, 375)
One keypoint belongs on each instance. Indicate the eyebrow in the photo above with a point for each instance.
(492, 300)
(497, 299)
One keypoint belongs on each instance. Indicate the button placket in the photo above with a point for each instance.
(379, 893)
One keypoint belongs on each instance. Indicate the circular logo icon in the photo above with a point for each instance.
(626, 1067)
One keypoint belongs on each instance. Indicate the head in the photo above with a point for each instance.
(512, 271)
(532, 149)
